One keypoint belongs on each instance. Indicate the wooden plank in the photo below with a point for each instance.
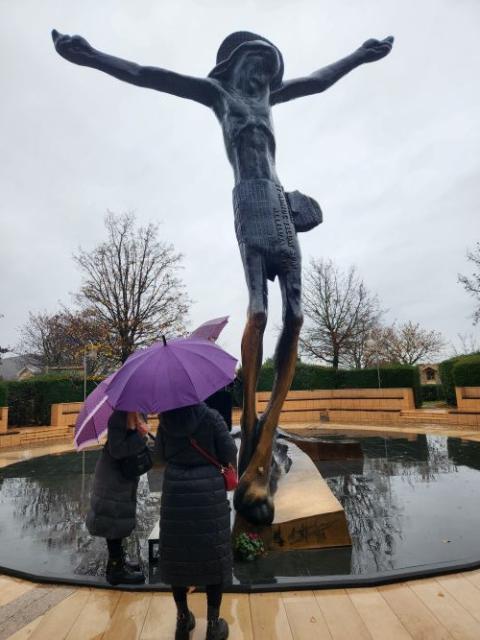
(413, 613)
(269, 617)
(96, 616)
(31, 605)
(160, 619)
(379, 619)
(235, 609)
(342, 618)
(60, 619)
(454, 617)
(11, 588)
(26, 632)
(129, 617)
(464, 592)
(305, 616)
(473, 577)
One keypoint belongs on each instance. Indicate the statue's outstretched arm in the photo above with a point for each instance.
(77, 50)
(322, 79)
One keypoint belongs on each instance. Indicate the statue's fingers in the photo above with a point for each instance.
(389, 39)
(55, 35)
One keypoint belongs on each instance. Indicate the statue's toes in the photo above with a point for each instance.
(256, 509)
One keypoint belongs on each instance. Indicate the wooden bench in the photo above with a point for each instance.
(3, 419)
(468, 399)
(342, 405)
(64, 414)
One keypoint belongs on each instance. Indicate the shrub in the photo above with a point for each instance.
(3, 394)
(466, 371)
(432, 392)
(30, 400)
(307, 376)
(391, 376)
(446, 376)
(467, 375)
(311, 376)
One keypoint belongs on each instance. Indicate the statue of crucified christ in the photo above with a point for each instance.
(245, 83)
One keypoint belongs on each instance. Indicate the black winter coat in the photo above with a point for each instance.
(113, 502)
(195, 540)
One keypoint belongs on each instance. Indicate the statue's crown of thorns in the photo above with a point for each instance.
(236, 43)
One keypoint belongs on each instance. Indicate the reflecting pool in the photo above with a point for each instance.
(410, 503)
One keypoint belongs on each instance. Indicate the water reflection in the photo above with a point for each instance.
(408, 502)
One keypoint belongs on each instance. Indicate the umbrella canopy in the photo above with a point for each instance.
(92, 421)
(169, 375)
(211, 329)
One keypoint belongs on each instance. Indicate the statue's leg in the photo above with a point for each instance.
(252, 348)
(253, 498)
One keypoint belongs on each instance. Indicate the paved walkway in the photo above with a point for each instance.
(445, 608)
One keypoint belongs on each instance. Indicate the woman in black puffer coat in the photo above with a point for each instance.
(113, 502)
(195, 544)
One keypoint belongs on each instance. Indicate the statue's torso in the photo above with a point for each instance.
(248, 134)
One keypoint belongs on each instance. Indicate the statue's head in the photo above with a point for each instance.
(251, 54)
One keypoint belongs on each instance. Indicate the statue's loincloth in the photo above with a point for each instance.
(263, 224)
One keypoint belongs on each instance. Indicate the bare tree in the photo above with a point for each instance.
(472, 285)
(3, 349)
(60, 340)
(468, 343)
(407, 343)
(131, 284)
(340, 314)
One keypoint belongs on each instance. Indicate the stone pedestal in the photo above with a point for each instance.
(307, 514)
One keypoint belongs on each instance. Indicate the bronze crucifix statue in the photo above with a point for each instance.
(241, 90)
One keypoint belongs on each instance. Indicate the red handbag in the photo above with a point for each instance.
(230, 475)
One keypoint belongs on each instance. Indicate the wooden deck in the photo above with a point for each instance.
(435, 609)
(443, 608)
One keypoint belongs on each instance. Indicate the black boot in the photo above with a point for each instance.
(217, 629)
(119, 573)
(185, 623)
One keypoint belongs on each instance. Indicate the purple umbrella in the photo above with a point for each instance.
(211, 329)
(169, 375)
(92, 421)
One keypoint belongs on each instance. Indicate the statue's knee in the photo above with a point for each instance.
(295, 322)
(259, 320)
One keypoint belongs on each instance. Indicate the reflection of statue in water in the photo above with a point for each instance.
(241, 89)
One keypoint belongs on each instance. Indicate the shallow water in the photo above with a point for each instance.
(408, 503)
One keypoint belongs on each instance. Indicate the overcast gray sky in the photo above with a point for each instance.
(391, 152)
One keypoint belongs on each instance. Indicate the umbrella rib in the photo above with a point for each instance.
(186, 372)
(89, 417)
(214, 364)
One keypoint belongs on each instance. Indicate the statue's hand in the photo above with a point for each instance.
(73, 48)
(372, 49)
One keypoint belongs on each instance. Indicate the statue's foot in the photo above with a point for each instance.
(254, 502)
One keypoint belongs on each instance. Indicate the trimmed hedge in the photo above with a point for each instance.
(445, 369)
(307, 376)
(432, 392)
(310, 376)
(466, 372)
(29, 401)
(3, 394)
(459, 371)
(391, 376)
